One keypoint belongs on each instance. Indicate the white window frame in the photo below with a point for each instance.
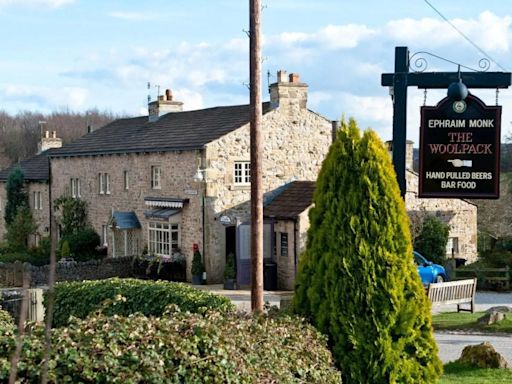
(453, 242)
(284, 245)
(163, 238)
(104, 235)
(101, 188)
(156, 177)
(75, 187)
(242, 173)
(126, 179)
(38, 200)
(107, 183)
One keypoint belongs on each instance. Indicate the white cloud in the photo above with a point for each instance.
(489, 31)
(135, 16)
(36, 3)
(333, 37)
(72, 97)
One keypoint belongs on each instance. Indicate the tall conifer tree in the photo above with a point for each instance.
(16, 194)
(357, 282)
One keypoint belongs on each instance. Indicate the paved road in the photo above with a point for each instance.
(451, 344)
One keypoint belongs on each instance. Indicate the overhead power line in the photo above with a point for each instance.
(464, 36)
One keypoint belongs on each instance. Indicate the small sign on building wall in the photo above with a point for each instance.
(460, 149)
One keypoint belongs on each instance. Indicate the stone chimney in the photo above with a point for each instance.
(288, 92)
(165, 104)
(49, 140)
(409, 153)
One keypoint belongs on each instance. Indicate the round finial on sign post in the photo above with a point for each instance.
(458, 91)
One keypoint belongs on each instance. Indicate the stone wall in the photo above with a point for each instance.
(11, 274)
(459, 214)
(41, 216)
(177, 171)
(294, 147)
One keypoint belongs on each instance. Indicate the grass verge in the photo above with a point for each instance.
(469, 321)
(456, 373)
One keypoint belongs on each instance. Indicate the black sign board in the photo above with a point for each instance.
(460, 149)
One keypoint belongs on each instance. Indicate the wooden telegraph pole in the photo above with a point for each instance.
(256, 190)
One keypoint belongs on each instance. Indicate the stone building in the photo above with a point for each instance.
(459, 214)
(36, 172)
(179, 178)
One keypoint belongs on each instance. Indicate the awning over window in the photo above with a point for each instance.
(162, 213)
(165, 202)
(125, 220)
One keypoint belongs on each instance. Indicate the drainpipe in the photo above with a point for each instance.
(295, 246)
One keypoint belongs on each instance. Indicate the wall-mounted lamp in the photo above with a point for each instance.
(199, 176)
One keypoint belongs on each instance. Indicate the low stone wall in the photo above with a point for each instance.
(11, 274)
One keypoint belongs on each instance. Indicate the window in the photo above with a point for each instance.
(104, 183)
(37, 240)
(163, 238)
(126, 180)
(453, 243)
(155, 177)
(104, 235)
(242, 172)
(75, 187)
(38, 200)
(284, 244)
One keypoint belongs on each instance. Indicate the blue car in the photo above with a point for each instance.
(429, 272)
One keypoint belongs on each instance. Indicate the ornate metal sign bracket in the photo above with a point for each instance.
(402, 78)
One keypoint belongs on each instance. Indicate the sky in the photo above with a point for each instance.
(83, 54)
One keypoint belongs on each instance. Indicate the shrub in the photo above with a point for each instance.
(20, 228)
(431, 242)
(230, 271)
(5, 319)
(80, 298)
(357, 282)
(64, 250)
(197, 263)
(177, 348)
(83, 244)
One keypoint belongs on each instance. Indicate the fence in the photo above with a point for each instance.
(11, 299)
(492, 278)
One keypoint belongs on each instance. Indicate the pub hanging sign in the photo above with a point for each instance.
(460, 149)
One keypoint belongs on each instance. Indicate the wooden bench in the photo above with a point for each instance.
(454, 292)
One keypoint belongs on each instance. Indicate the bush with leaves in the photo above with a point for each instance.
(357, 281)
(176, 348)
(83, 244)
(432, 240)
(71, 214)
(16, 194)
(197, 263)
(80, 298)
(20, 229)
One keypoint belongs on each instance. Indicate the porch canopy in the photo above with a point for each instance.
(163, 207)
(125, 220)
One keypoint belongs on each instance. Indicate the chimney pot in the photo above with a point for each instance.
(161, 98)
(282, 77)
(54, 134)
(47, 134)
(168, 94)
(294, 77)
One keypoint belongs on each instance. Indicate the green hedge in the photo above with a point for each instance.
(176, 348)
(80, 298)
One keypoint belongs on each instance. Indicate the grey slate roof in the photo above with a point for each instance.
(126, 220)
(35, 168)
(171, 132)
(292, 201)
